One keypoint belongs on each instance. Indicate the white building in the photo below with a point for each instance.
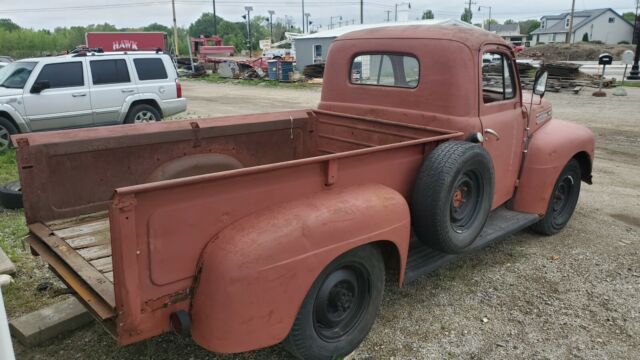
(604, 25)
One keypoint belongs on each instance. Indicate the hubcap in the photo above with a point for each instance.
(340, 303)
(144, 117)
(561, 199)
(465, 201)
(4, 138)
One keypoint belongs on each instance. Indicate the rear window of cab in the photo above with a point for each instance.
(390, 70)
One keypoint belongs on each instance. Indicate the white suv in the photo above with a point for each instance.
(84, 90)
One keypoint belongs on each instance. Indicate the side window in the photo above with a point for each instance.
(150, 69)
(497, 78)
(62, 75)
(109, 71)
(317, 51)
(385, 70)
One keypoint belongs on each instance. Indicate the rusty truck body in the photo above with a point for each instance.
(247, 231)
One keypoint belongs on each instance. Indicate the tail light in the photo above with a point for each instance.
(178, 88)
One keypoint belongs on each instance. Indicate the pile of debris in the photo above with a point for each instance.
(313, 71)
(563, 77)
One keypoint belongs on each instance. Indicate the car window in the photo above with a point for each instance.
(15, 75)
(150, 69)
(62, 75)
(385, 70)
(497, 78)
(109, 71)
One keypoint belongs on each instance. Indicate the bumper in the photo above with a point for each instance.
(172, 107)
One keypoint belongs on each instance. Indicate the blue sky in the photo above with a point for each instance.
(131, 13)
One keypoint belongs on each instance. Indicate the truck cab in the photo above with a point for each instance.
(247, 231)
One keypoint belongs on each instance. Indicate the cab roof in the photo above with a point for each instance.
(471, 36)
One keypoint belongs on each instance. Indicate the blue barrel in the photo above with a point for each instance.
(272, 69)
(286, 68)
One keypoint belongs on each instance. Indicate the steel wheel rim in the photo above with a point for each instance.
(341, 302)
(4, 138)
(144, 117)
(465, 201)
(561, 200)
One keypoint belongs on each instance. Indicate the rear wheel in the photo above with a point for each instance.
(340, 308)
(563, 201)
(142, 113)
(6, 130)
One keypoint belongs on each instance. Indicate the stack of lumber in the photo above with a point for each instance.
(566, 77)
(313, 71)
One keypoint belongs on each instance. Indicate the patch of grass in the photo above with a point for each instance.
(217, 79)
(632, 84)
(8, 166)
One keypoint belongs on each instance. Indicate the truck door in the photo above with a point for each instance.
(502, 119)
(66, 103)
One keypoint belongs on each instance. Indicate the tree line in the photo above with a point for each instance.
(19, 42)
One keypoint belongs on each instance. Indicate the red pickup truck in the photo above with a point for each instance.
(248, 231)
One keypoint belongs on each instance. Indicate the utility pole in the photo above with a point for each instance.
(175, 28)
(471, 3)
(215, 19)
(306, 20)
(361, 11)
(248, 17)
(331, 20)
(388, 15)
(635, 69)
(570, 33)
(489, 22)
(271, 12)
(303, 31)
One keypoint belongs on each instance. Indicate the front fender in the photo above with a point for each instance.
(23, 125)
(254, 275)
(550, 149)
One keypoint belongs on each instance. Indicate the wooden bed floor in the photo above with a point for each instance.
(89, 236)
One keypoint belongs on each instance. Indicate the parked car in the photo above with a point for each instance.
(85, 90)
(247, 231)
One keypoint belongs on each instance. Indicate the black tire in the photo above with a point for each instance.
(563, 201)
(139, 113)
(11, 195)
(452, 196)
(6, 130)
(340, 308)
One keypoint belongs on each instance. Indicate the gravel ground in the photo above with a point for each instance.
(573, 295)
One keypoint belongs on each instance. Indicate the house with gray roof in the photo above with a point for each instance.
(604, 25)
(509, 32)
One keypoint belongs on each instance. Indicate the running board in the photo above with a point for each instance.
(501, 223)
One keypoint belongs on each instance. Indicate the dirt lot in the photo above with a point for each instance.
(574, 295)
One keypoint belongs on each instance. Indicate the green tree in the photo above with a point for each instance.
(427, 15)
(509, 21)
(527, 26)
(8, 25)
(585, 37)
(630, 17)
(467, 15)
(157, 27)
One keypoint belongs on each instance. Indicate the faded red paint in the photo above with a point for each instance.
(305, 187)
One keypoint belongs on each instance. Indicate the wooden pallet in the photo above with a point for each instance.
(89, 235)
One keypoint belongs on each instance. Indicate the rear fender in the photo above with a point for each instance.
(254, 275)
(550, 149)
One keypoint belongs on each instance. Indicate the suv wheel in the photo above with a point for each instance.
(143, 113)
(6, 130)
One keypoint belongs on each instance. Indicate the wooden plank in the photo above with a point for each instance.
(96, 302)
(103, 265)
(109, 276)
(84, 229)
(85, 241)
(94, 278)
(77, 220)
(95, 252)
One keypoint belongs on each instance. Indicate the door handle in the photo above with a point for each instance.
(492, 132)
(127, 91)
(79, 94)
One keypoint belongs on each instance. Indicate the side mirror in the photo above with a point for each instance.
(540, 84)
(39, 86)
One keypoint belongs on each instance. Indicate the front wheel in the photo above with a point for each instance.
(563, 201)
(340, 308)
(6, 130)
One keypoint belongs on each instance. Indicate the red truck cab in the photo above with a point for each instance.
(252, 230)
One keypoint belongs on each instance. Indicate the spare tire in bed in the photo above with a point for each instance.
(452, 196)
(11, 195)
